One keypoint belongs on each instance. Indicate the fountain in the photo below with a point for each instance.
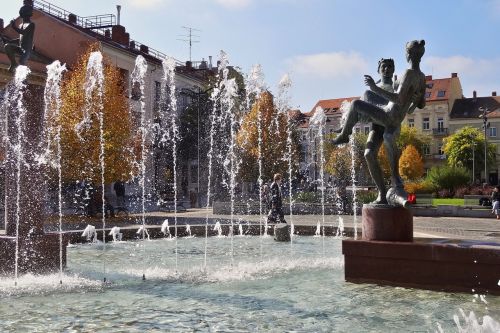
(26, 247)
(200, 291)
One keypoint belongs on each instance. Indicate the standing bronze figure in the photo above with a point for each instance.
(386, 110)
(22, 46)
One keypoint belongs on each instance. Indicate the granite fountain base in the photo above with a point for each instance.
(387, 255)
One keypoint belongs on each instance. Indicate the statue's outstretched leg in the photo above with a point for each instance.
(375, 140)
(359, 107)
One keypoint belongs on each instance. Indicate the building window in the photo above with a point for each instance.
(367, 130)
(358, 129)
(440, 149)
(411, 122)
(440, 123)
(441, 93)
(427, 94)
(493, 132)
(425, 124)
(430, 85)
(426, 150)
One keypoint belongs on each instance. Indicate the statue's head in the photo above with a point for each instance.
(415, 50)
(386, 67)
(26, 11)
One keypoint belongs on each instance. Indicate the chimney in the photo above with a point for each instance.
(454, 75)
(203, 64)
(210, 62)
(144, 49)
(428, 77)
(72, 18)
(474, 96)
(118, 10)
(132, 45)
(107, 33)
(119, 35)
(189, 64)
(494, 93)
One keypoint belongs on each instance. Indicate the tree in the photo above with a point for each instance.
(411, 165)
(80, 156)
(410, 136)
(460, 145)
(274, 141)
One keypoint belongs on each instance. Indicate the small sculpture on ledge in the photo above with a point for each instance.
(22, 46)
(386, 109)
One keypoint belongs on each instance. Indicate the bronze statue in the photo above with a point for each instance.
(386, 109)
(22, 46)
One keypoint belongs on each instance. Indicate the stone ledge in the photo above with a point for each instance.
(426, 264)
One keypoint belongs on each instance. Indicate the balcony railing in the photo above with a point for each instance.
(440, 131)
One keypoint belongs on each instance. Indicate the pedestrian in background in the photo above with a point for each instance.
(495, 200)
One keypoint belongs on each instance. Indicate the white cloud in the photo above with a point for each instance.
(330, 65)
(146, 4)
(236, 4)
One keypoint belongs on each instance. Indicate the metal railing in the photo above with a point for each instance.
(98, 24)
(440, 131)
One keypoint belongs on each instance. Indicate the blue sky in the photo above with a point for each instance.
(325, 45)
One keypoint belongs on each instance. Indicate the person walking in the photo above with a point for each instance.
(276, 212)
(495, 200)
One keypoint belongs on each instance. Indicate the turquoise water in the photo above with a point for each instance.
(264, 286)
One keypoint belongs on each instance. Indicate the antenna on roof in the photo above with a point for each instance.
(189, 38)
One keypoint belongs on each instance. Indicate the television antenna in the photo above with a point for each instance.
(190, 38)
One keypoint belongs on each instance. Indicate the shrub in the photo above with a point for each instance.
(445, 193)
(461, 191)
(306, 197)
(365, 197)
(449, 178)
(420, 187)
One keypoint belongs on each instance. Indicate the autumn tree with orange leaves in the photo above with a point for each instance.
(274, 141)
(411, 165)
(80, 154)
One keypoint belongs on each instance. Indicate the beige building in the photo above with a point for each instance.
(434, 119)
(470, 112)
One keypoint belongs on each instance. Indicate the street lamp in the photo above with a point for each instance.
(473, 159)
(485, 111)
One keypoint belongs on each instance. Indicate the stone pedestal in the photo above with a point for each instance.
(282, 232)
(387, 223)
(37, 252)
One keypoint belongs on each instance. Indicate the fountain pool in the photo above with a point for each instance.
(299, 288)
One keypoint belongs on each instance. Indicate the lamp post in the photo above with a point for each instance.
(473, 159)
(485, 127)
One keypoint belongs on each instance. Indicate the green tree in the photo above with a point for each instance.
(448, 177)
(460, 145)
(410, 135)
